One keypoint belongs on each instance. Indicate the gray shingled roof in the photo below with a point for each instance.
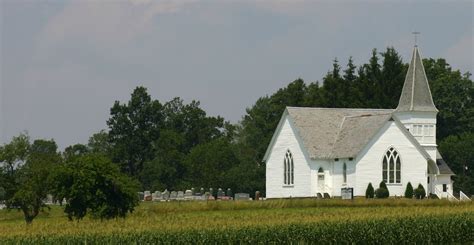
(442, 165)
(416, 94)
(337, 133)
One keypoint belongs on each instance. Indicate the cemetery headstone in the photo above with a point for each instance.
(180, 196)
(166, 195)
(242, 196)
(229, 192)
(257, 195)
(147, 195)
(157, 196)
(188, 195)
(220, 193)
(173, 195)
(141, 196)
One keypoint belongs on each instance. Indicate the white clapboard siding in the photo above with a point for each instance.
(369, 162)
(286, 139)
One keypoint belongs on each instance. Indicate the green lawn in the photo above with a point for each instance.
(264, 221)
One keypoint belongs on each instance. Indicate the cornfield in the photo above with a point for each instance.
(276, 221)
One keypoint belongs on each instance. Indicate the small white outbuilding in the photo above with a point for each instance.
(322, 150)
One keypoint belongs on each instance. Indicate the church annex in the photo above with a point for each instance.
(318, 151)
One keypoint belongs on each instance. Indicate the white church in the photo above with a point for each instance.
(319, 151)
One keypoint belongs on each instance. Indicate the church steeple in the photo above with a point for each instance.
(416, 94)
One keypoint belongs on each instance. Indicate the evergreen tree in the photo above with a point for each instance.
(369, 192)
(409, 191)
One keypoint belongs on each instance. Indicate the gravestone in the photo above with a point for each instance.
(220, 193)
(147, 196)
(257, 195)
(141, 196)
(188, 195)
(173, 195)
(211, 192)
(242, 196)
(166, 195)
(49, 199)
(193, 190)
(157, 196)
(180, 196)
(229, 192)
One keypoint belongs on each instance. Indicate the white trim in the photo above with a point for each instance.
(413, 80)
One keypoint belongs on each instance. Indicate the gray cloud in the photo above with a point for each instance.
(65, 63)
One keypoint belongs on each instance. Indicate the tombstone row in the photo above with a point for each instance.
(189, 195)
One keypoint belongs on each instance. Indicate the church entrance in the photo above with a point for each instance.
(321, 183)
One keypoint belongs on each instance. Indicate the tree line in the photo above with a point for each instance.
(153, 145)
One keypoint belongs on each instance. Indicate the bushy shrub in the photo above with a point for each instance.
(420, 192)
(381, 193)
(369, 192)
(409, 191)
(384, 186)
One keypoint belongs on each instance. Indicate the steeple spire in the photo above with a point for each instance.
(416, 94)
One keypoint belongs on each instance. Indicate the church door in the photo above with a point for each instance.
(321, 183)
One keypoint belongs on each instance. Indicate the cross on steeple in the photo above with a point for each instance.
(415, 33)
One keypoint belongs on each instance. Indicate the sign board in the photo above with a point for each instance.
(347, 193)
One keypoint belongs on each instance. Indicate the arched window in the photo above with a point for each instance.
(391, 167)
(344, 173)
(288, 172)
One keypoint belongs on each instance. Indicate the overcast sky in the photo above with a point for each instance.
(64, 63)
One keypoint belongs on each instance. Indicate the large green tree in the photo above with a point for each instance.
(91, 183)
(28, 183)
(133, 128)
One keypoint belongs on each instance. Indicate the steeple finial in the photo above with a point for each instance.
(415, 33)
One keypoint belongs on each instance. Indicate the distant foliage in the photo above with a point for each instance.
(420, 192)
(369, 192)
(409, 191)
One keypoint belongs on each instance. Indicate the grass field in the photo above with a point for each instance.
(274, 221)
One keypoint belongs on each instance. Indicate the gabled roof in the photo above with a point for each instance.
(333, 132)
(416, 94)
(442, 165)
(328, 133)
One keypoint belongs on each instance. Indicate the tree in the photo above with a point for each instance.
(2, 194)
(133, 128)
(409, 191)
(93, 184)
(31, 180)
(99, 143)
(457, 152)
(209, 164)
(393, 74)
(453, 95)
(369, 192)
